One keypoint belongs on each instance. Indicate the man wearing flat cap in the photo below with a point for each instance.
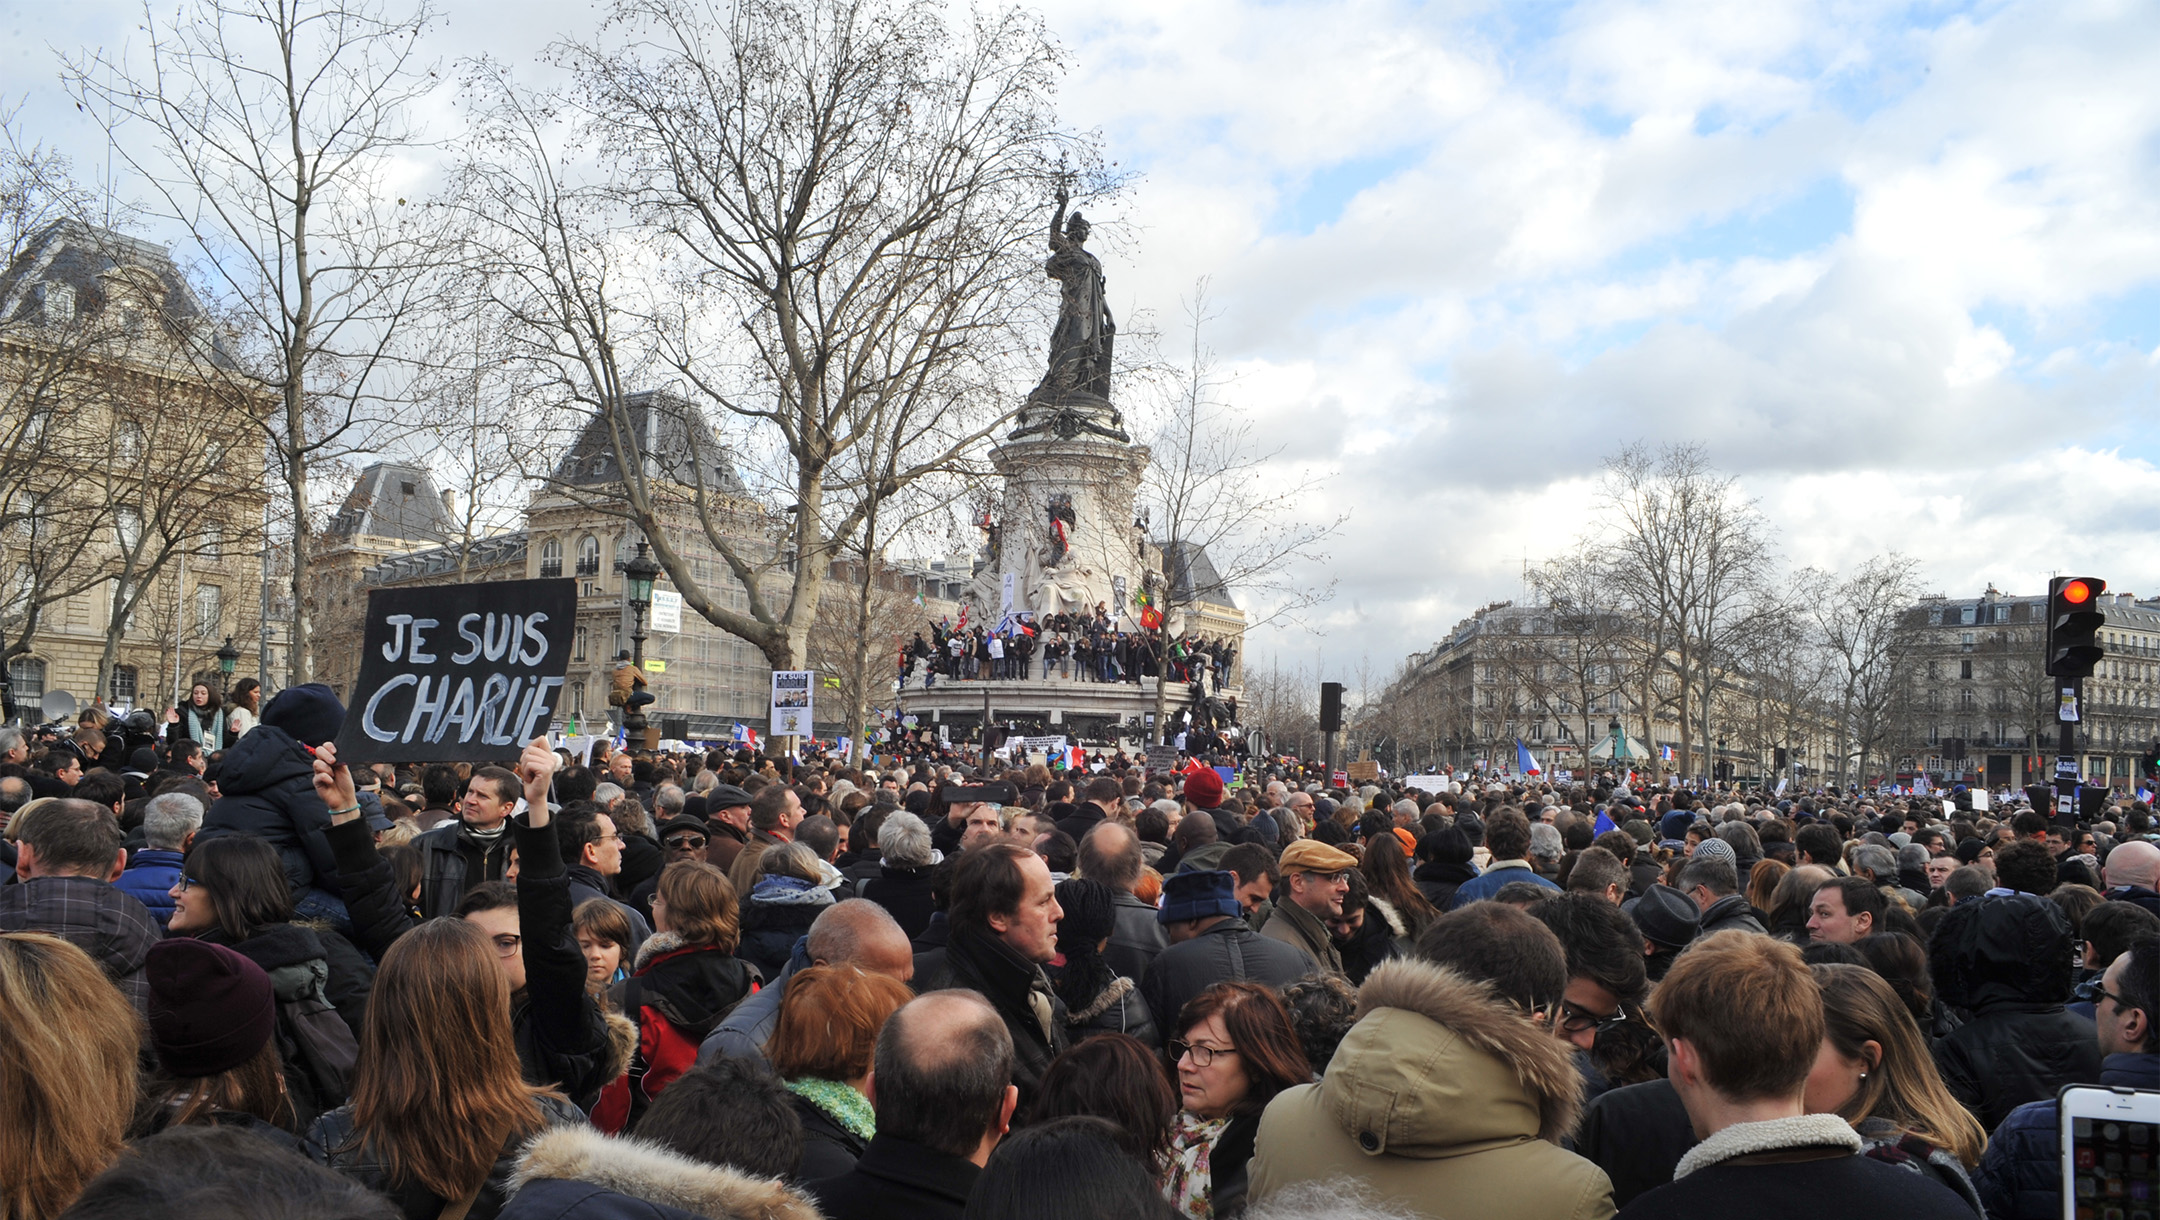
(1315, 879)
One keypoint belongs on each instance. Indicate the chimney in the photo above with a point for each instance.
(449, 503)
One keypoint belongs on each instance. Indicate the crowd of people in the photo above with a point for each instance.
(1085, 648)
(241, 977)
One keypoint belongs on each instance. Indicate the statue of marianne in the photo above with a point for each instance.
(1081, 344)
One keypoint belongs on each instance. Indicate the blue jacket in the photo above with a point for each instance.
(148, 877)
(1488, 883)
(2020, 1177)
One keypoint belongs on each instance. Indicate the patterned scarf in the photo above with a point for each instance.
(840, 1101)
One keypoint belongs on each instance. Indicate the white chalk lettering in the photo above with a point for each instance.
(367, 718)
(460, 713)
(472, 650)
(396, 646)
(419, 657)
(484, 715)
(538, 711)
(423, 706)
(533, 633)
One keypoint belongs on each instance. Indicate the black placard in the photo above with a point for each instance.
(459, 672)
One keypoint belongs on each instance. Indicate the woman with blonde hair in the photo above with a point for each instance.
(67, 1073)
(685, 980)
(439, 1105)
(1875, 1071)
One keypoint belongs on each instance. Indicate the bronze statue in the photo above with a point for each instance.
(1081, 344)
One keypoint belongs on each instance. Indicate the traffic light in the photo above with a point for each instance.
(2074, 622)
(1330, 707)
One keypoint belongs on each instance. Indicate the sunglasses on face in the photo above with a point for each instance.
(690, 842)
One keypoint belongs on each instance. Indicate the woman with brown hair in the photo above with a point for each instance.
(243, 708)
(686, 979)
(439, 1103)
(1875, 1071)
(67, 1073)
(1789, 902)
(1390, 888)
(822, 1046)
(1236, 1050)
(1119, 1078)
(213, 1014)
(1762, 883)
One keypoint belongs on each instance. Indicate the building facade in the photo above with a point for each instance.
(132, 501)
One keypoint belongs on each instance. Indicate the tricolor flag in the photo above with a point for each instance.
(1665, 752)
(745, 736)
(1523, 761)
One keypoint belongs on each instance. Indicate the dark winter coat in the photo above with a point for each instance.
(1636, 1134)
(2020, 1177)
(641, 861)
(1136, 939)
(267, 789)
(1730, 914)
(1747, 1170)
(828, 1148)
(898, 1180)
(1116, 1009)
(1438, 880)
(305, 961)
(344, 1150)
(691, 987)
(983, 964)
(452, 863)
(905, 895)
(575, 1173)
(148, 879)
(2006, 961)
(587, 883)
(779, 913)
(114, 929)
(1228, 952)
(742, 1033)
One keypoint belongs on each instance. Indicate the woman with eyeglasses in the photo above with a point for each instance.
(233, 891)
(1236, 1050)
(1875, 1071)
(686, 978)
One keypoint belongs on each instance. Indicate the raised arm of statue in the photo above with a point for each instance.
(1057, 220)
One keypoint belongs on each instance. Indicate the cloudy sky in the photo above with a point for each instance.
(1896, 266)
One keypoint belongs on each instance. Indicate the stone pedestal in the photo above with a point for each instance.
(1065, 470)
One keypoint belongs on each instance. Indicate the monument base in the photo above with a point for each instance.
(1091, 713)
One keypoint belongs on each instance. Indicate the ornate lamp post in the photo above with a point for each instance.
(638, 577)
(228, 658)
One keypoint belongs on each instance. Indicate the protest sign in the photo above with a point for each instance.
(791, 702)
(1426, 783)
(1161, 758)
(458, 672)
(1364, 770)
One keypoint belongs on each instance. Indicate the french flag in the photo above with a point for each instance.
(745, 736)
(1523, 762)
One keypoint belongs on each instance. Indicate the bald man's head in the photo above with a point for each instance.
(943, 1074)
(2133, 863)
(1110, 855)
(862, 934)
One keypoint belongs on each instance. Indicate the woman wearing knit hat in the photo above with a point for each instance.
(1098, 1000)
(212, 1014)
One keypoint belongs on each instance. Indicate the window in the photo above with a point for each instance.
(2002, 614)
(1935, 616)
(1965, 669)
(213, 541)
(123, 682)
(127, 442)
(17, 595)
(583, 635)
(209, 610)
(551, 563)
(22, 515)
(577, 694)
(27, 676)
(127, 527)
(616, 649)
(588, 556)
(1968, 614)
(1965, 640)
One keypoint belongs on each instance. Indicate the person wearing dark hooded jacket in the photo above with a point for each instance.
(1443, 864)
(2006, 961)
(787, 898)
(1098, 1000)
(266, 789)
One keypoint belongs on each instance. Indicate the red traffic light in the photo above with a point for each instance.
(2077, 593)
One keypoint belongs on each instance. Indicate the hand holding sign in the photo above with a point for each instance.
(334, 784)
(536, 770)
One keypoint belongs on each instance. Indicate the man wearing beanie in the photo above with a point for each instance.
(1211, 943)
(267, 789)
(212, 1011)
(1315, 881)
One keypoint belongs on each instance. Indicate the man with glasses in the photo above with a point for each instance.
(2021, 1175)
(1316, 879)
(1606, 972)
(681, 838)
(593, 849)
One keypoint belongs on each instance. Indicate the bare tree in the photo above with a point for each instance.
(1861, 621)
(1692, 560)
(1593, 639)
(1227, 519)
(271, 132)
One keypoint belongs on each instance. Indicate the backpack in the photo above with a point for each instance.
(318, 1047)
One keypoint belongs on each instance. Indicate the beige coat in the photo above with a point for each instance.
(1294, 925)
(1444, 1101)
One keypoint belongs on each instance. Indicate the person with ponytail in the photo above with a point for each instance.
(440, 1107)
(1098, 1000)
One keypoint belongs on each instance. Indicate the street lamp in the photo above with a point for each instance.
(1619, 747)
(638, 577)
(228, 658)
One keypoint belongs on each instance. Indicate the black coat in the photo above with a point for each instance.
(451, 863)
(267, 789)
(641, 860)
(2006, 961)
(982, 964)
(1116, 1009)
(1136, 939)
(1228, 952)
(828, 1149)
(770, 930)
(1437, 879)
(1835, 1185)
(1636, 1134)
(905, 895)
(896, 1179)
